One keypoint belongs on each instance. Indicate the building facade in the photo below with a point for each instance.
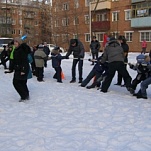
(18, 18)
(83, 19)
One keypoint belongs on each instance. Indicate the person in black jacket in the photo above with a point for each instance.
(125, 47)
(47, 52)
(76, 47)
(95, 47)
(4, 57)
(56, 63)
(21, 68)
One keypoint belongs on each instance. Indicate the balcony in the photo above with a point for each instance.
(100, 26)
(101, 5)
(141, 22)
(136, 1)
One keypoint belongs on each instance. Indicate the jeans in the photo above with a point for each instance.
(144, 86)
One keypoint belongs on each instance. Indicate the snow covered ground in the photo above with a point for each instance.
(66, 117)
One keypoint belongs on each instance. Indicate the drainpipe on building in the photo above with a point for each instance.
(90, 21)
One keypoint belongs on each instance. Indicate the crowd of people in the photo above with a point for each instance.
(25, 62)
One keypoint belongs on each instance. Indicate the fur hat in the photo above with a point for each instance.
(18, 40)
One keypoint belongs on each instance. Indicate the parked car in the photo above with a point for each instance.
(51, 47)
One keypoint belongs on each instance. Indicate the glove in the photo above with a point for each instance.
(8, 71)
(79, 57)
(131, 65)
(67, 57)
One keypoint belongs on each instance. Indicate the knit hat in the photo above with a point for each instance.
(56, 50)
(40, 46)
(18, 40)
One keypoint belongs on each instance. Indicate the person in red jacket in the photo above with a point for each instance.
(144, 46)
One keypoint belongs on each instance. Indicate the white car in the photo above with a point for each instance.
(51, 47)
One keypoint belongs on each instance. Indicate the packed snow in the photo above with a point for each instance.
(67, 117)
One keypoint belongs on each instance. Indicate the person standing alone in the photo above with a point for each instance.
(144, 46)
(21, 68)
(94, 46)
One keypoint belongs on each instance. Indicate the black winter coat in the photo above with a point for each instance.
(95, 46)
(46, 50)
(20, 62)
(126, 50)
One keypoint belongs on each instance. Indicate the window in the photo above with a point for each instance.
(101, 17)
(19, 12)
(36, 23)
(127, 14)
(142, 9)
(76, 3)
(65, 22)
(65, 37)
(13, 31)
(75, 36)
(99, 36)
(87, 19)
(20, 32)
(76, 21)
(56, 37)
(87, 37)
(87, 2)
(115, 16)
(13, 22)
(65, 6)
(128, 36)
(20, 21)
(57, 23)
(145, 35)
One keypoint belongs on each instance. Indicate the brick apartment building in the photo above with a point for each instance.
(131, 18)
(18, 18)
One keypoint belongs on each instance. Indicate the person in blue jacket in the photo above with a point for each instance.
(56, 58)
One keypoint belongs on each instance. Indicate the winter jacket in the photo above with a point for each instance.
(56, 60)
(113, 52)
(46, 50)
(144, 44)
(126, 50)
(30, 60)
(20, 62)
(95, 46)
(4, 55)
(39, 57)
(78, 50)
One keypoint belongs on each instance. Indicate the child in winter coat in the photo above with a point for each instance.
(40, 57)
(143, 61)
(56, 63)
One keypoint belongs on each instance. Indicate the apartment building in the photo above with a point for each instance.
(20, 17)
(82, 19)
(70, 20)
